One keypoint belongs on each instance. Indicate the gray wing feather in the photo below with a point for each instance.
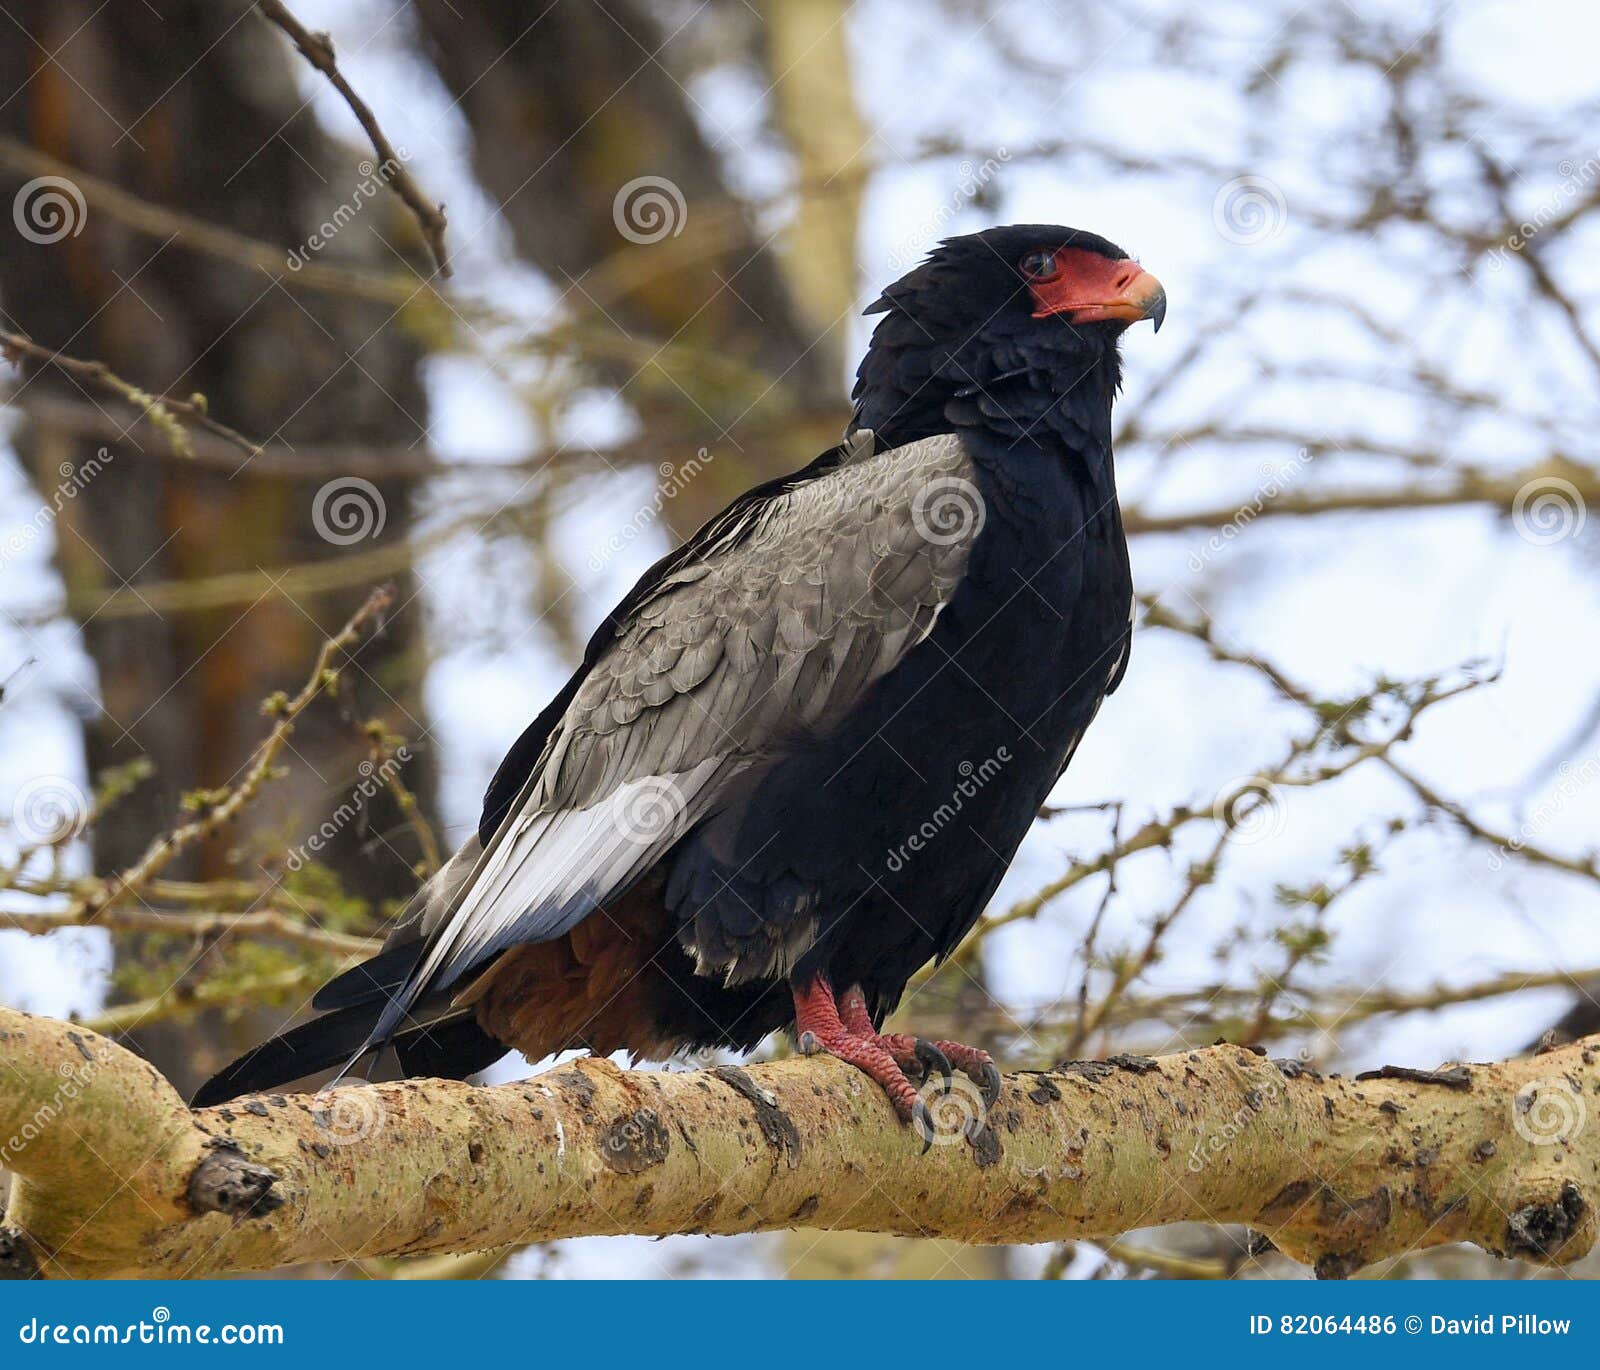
(781, 624)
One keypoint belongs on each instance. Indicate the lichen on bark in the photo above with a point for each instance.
(121, 1178)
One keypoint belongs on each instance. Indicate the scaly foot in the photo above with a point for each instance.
(910, 1052)
(843, 1028)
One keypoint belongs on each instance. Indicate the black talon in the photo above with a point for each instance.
(987, 1078)
(923, 1123)
(934, 1060)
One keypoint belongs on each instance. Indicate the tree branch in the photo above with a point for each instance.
(317, 48)
(168, 225)
(118, 1177)
(166, 412)
(224, 805)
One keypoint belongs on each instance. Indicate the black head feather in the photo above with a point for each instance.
(959, 346)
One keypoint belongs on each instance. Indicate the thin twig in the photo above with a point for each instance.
(206, 925)
(164, 411)
(317, 48)
(233, 799)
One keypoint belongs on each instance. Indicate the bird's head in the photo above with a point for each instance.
(1023, 319)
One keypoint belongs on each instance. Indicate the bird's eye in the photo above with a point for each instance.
(1039, 265)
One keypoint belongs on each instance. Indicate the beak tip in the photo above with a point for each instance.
(1158, 310)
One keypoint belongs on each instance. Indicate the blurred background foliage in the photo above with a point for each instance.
(1343, 805)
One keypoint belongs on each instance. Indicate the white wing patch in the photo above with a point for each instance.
(547, 870)
(787, 611)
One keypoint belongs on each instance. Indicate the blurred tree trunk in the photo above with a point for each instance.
(570, 106)
(807, 61)
(195, 105)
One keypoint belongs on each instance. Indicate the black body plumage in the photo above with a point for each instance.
(888, 710)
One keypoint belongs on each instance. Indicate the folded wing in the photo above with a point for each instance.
(771, 626)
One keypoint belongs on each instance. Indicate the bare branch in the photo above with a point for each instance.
(317, 48)
(168, 225)
(204, 926)
(120, 1178)
(164, 411)
(225, 805)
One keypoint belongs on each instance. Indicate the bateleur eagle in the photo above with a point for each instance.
(800, 754)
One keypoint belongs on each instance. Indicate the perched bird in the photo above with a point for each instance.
(799, 756)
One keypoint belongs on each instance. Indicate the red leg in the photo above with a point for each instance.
(920, 1054)
(844, 1028)
(910, 1053)
(818, 1027)
(853, 1011)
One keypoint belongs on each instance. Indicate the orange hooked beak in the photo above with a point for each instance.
(1095, 293)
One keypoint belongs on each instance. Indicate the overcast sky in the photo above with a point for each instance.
(1333, 600)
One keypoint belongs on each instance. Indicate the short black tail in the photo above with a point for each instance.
(453, 1048)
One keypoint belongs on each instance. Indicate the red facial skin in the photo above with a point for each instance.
(1088, 288)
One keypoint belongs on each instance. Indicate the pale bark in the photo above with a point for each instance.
(118, 1177)
(808, 64)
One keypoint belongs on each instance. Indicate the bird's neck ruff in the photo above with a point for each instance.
(1011, 392)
